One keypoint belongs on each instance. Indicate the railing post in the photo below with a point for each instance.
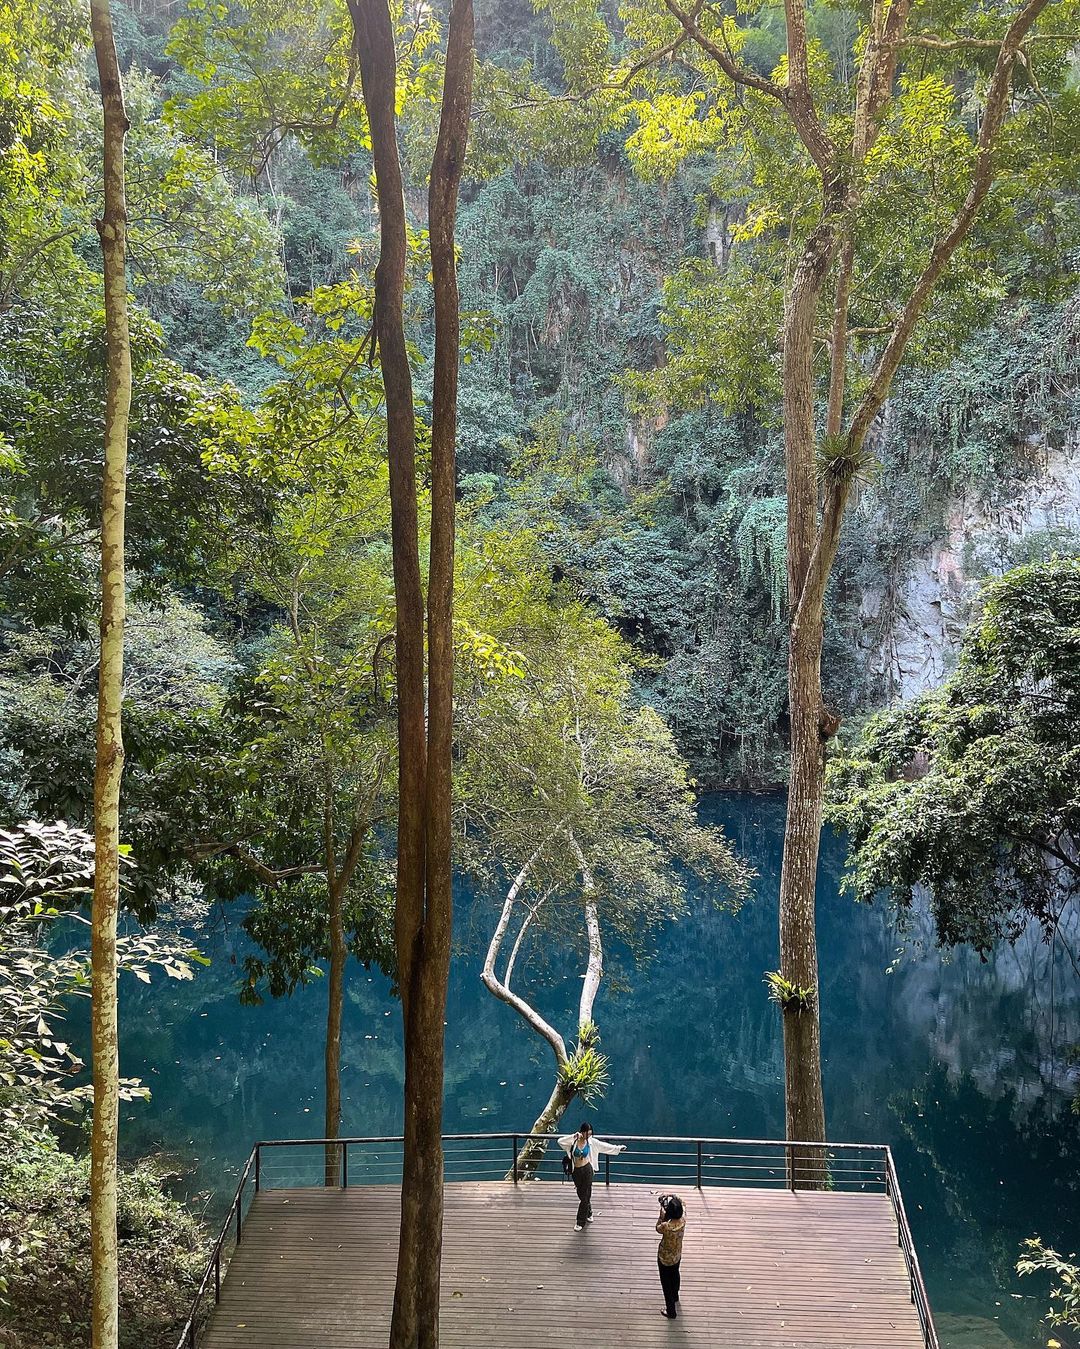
(791, 1167)
(699, 1166)
(607, 1169)
(514, 1163)
(217, 1274)
(258, 1165)
(239, 1216)
(344, 1166)
(191, 1336)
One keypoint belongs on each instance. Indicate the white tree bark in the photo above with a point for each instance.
(594, 971)
(563, 1092)
(500, 988)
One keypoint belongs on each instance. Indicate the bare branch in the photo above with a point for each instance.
(498, 988)
(526, 924)
(942, 44)
(205, 852)
(739, 74)
(595, 969)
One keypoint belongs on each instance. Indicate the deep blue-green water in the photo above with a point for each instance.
(959, 1065)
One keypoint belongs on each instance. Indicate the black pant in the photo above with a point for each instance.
(669, 1282)
(583, 1176)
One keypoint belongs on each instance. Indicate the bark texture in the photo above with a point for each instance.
(109, 766)
(424, 912)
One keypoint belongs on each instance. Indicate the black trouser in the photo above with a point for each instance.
(583, 1184)
(669, 1282)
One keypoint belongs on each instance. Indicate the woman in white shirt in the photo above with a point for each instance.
(585, 1150)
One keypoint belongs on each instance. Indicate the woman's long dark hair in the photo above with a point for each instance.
(672, 1206)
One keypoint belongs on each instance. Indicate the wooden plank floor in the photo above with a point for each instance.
(315, 1270)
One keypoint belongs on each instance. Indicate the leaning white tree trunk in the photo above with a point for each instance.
(500, 988)
(563, 1091)
(594, 971)
(112, 228)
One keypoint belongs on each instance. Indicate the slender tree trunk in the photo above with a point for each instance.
(335, 1004)
(812, 548)
(423, 913)
(811, 551)
(804, 1102)
(424, 1065)
(110, 747)
(378, 73)
(338, 880)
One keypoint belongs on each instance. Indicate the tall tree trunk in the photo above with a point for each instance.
(378, 73)
(112, 229)
(424, 1064)
(804, 1102)
(534, 1150)
(812, 547)
(335, 1004)
(812, 550)
(423, 913)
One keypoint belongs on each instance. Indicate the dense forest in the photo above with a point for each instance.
(759, 470)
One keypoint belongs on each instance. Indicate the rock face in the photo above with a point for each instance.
(912, 634)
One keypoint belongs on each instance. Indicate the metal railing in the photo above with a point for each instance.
(903, 1231)
(232, 1230)
(285, 1163)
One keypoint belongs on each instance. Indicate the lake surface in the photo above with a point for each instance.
(959, 1065)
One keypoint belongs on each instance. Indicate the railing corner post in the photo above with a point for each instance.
(258, 1165)
(515, 1161)
(699, 1165)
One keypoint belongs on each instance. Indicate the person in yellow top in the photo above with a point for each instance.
(670, 1225)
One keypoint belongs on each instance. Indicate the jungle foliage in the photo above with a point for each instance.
(621, 490)
(44, 1250)
(969, 793)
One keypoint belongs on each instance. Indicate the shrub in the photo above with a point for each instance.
(45, 1251)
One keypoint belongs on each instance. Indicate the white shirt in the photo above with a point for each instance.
(595, 1148)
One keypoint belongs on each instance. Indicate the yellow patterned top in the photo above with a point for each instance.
(671, 1235)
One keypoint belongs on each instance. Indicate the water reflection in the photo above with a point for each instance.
(957, 1064)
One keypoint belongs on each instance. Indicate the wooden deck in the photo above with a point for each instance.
(761, 1268)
